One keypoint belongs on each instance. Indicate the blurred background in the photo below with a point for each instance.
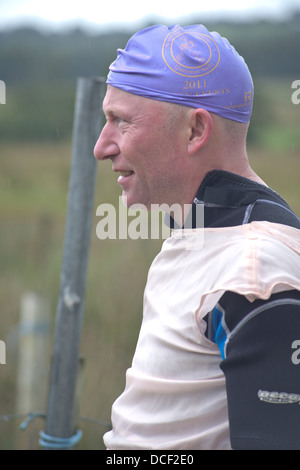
(44, 48)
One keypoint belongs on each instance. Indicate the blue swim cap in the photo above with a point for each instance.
(189, 66)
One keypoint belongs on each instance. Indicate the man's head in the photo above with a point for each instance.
(162, 137)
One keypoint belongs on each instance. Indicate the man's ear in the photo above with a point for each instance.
(201, 125)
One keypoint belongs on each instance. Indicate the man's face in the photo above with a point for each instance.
(145, 146)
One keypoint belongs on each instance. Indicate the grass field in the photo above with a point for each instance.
(33, 201)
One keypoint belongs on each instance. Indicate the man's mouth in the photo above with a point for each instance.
(124, 175)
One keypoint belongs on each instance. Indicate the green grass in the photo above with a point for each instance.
(281, 172)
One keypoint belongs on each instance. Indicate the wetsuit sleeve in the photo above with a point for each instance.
(260, 345)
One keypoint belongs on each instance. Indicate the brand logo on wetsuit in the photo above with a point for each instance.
(278, 397)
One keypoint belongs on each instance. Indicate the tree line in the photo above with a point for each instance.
(40, 69)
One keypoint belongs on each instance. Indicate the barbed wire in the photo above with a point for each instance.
(28, 417)
(47, 441)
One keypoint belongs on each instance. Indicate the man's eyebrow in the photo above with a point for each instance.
(115, 113)
(109, 113)
(106, 111)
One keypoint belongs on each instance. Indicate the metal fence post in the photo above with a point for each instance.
(87, 123)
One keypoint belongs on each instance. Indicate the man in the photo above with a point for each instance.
(218, 356)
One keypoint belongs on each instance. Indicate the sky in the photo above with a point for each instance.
(59, 14)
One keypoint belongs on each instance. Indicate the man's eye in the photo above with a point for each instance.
(121, 122)
(112, 118)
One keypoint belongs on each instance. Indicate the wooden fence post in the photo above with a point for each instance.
(87, 125)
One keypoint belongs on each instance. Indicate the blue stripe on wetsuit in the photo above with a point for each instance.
(219, 334)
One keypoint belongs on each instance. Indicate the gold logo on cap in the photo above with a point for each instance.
(180, 50)
(248, 96)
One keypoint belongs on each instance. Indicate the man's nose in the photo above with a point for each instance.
(106, 146)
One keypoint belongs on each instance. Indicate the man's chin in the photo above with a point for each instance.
(132, 203)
